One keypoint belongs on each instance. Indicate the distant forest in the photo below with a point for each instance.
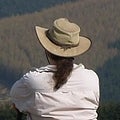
(18, 7)
(99, 20)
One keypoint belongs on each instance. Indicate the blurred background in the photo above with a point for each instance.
(20, 50)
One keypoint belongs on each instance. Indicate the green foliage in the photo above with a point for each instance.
(109, 111)
(6, 113)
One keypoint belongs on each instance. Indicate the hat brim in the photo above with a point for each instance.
(55, 49)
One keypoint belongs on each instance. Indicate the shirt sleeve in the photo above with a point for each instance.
(98, 90)
(96, 86)
(21, 93)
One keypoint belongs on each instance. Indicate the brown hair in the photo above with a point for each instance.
(64, 68)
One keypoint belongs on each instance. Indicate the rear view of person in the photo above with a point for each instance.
(61, 90)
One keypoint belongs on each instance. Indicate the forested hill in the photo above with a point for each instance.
(19, 7)
(99, 20)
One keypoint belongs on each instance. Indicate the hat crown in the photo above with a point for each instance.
(64, 25)
(65, 33)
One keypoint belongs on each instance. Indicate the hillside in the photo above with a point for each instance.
(99, 20)
(19, 7)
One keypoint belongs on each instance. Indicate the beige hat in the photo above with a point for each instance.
(63, 38)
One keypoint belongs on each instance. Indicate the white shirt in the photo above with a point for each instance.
(78, 99)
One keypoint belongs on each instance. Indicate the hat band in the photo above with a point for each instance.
(58, 43)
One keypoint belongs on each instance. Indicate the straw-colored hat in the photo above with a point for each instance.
(63, 38)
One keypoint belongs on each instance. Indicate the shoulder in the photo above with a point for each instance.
(88, 78)
(82, 68)
(91, 73)
(85, 73)
(39, 78)
(39, 71)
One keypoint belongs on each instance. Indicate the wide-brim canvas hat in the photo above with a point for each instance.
(63, 38)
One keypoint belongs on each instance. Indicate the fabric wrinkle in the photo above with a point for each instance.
(77, 99)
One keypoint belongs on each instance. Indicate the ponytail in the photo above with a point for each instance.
(64, 68)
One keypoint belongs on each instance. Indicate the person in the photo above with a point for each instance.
(62, 90)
